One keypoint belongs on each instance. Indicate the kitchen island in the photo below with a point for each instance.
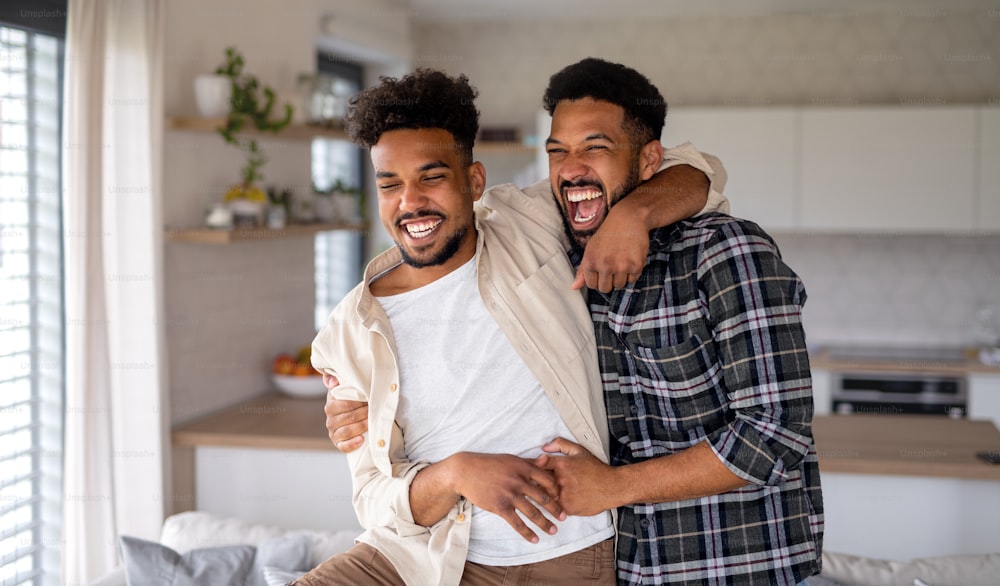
(895, 487)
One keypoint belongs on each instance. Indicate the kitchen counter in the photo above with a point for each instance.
(859, 444)
(272, 421)
(968, 363)
(906, 445)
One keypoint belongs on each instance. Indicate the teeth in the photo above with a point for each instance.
(421, 229)
(575, 196)
(580, 219)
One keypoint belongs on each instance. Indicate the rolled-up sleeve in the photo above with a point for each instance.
(755, 303)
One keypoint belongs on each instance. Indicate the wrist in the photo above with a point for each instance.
(623, 485)
(452, 474)
(638, 211)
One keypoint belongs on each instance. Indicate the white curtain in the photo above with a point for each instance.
(116, 436)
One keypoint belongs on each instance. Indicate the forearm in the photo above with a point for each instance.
(674, 194)
(432, 493)
(695, 472)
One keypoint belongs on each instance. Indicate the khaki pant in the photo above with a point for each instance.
(363, 565)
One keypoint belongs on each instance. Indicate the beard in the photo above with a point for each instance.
(447, 250)
(578, 238)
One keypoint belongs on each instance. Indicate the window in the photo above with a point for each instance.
(338, 254)
(31, 314)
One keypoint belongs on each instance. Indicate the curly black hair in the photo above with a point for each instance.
(645, 108)
(424, 99)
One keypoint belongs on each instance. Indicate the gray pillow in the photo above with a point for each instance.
(150, 563)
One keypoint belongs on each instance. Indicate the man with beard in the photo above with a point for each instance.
(473, 351)
(704, 367)
(713, 469)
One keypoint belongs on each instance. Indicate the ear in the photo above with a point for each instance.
(477, 180)
(649, 159)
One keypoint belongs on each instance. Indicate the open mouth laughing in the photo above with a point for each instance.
(584, 204)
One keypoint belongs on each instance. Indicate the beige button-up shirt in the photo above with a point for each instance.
(524, 279)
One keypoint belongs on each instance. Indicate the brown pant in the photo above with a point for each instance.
(363, 565)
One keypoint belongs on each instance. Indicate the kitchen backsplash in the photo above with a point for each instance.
(896, 289)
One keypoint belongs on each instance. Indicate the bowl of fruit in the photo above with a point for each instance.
(295, 376)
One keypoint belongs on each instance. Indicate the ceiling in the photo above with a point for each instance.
(472, 10)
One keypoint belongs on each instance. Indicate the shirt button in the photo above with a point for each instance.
(644, 523)
(392, 388)
(460, 517)
(634, 409)
(381, 443)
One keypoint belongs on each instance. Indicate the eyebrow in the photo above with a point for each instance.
(595, 136)
(425, 167)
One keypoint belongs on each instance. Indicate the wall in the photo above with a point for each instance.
(910, 290)
(836, 57)
(231, 309)
(899, 289)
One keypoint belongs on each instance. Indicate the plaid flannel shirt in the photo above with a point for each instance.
(708, 346)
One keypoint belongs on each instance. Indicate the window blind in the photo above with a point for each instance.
(31, 308)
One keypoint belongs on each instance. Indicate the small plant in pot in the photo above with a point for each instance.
(251, 103)
(339, 202)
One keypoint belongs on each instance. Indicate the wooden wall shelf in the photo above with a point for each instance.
(290, 132)
(200, 235)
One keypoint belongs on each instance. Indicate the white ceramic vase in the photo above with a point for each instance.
(212, 94)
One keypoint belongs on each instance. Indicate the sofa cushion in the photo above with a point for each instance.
(969, 570)
(192, 529)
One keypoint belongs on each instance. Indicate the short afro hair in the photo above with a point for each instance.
(423, 99)
(645, 108)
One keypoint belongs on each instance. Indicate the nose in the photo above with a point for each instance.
(412, 199)
(572, 167)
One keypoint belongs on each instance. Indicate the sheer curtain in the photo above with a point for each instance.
(115, 435)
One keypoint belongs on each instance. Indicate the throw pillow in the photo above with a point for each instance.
(279, 577)
(148, 563)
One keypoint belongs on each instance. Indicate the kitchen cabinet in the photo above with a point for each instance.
(898, 169)
(759, 149)
(984, 397)
(988, 210)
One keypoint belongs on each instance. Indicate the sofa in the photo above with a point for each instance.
(192, 530)
(184, 532)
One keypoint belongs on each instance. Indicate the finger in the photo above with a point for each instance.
(330, 381)
(346, 432)
(579, 281)
(633, 277)
(562, 445)
(620, 280)
(592, 278)
(545, 479)
(348, 446)
(548, 501)
(605, 282)
(542, 461)
(529, 508)
(514, 521)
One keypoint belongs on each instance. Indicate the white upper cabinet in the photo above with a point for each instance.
(988, 211)
(757, 147)
(889, 168)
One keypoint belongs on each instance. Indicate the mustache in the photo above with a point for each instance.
(564, 184)
(419, 214)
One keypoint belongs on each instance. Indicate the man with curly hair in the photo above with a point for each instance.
(472, 351)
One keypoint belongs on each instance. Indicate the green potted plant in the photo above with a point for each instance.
(251, 103)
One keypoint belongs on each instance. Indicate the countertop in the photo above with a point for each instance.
(859, 444)
(822, 358)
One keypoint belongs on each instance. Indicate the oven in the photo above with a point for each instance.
(899, 393)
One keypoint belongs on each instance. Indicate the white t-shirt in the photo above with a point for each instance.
(464, 388)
